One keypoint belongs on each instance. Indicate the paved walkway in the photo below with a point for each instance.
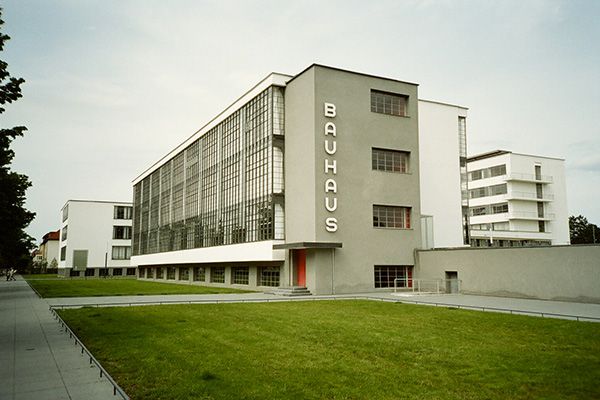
(488, 302)
(37, 359)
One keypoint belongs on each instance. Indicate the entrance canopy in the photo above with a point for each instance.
(308, 245)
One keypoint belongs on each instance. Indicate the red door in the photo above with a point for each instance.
(300, 266)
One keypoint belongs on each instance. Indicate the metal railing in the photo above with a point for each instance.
(335, 297)
(530, 177)
(77, 342)
(529, 195)
(530, 215)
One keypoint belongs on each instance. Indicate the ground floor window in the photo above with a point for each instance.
(74, 273)
(149, 273)
(103, 271)
(199, 274)
(386, 274)
(89, 272)
(240, 275)
(131, 271)
(170, 272)
(160, 273)
(117, 272)
(269, 276)
(217, 274)
(184, 274)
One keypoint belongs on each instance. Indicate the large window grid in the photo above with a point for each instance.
(496, 170)
(388, 103)
(498, 208)
(121, 252)
(269, 276)
(240, 275)
(391, 217)
(199, 274)
(217, 274)
(386, 274)
(486, 191)
(390, 160)
(121, 232)
(219, 190)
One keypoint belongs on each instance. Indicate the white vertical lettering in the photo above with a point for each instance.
(333, 148)
(330, 129)
(328, 207)
(330, 186)
(332, 166)
(331, 224)
(330, 110)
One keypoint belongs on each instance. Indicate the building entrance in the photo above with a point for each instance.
(299, 257)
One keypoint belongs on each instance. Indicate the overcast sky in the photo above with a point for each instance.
(112, 86)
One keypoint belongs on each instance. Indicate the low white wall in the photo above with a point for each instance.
(568, 273)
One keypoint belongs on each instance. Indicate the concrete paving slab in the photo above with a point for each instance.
(39, 361)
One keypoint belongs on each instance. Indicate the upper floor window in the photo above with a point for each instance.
(65, 213)
(496, 170)
(391, 217)
(63, 233)
(121, 232)
(390, 160)
(388, 103)
(121, 252)
(122, 212)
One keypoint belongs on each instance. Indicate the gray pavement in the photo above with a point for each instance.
(584, 310)
(37, 359)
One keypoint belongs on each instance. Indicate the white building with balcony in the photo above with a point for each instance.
(517, 200)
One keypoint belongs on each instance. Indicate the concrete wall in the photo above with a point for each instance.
(440, 171)
(359, 187)
(569, 273)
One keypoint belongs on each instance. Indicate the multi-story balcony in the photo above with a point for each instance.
(509, 234)
(529, 196)
(515, 176)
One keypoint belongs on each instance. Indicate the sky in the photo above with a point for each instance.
(112, 86)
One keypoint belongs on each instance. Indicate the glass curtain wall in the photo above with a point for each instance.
(224, 188)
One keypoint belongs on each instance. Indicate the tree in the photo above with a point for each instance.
(15, 244)
(583, 232)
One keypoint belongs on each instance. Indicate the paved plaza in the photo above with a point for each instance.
(39, 361)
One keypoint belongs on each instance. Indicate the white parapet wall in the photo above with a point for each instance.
(568, 273)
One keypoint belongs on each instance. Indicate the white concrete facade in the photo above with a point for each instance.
(517, 200)
(97, 235)
(440, 164)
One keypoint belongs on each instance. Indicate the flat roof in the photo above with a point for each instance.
(496, 153)
(444, 104)
(350, 72)
(129, 203)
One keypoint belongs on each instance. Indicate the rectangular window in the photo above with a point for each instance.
(391, 217)
(498, 170)
(65, 214)
(171, 273)
(542, 226)
(123, 212)
(269, 276)
(74, 273)
(130, 271)
(499, 208)
(475, 211)
(184, 273)
(117, 272)
(90, 272)
(498, 189)
(160, 273)
(217, 274)
(63, 253)
(386, 274)
(103, 272)
(63, 233)
(477, 193)
(121, 252)
(240, 275)
(389, 160)
(388, 103)
(121, 232)
(149, 273)
(199, 274)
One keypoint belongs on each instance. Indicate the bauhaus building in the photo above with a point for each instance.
(310, 180)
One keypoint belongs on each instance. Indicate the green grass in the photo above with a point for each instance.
(339, 350)
(117, 287)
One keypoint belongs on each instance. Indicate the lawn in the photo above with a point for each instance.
(339, 350)
(116, 287)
